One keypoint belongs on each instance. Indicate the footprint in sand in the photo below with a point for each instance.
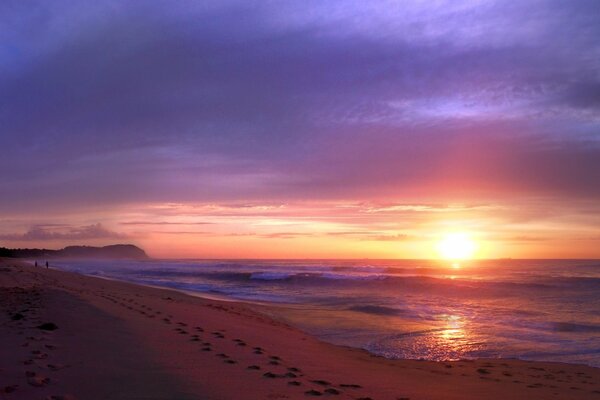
(39, 354)
(271, 375)
(350, 386)
(9, 388)
(17, 317)
(36, 380)
(57, 367)
(313, 392)
(61, 397)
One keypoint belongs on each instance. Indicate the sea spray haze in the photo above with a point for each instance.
(529, 309)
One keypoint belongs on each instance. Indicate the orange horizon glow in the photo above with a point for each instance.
(326, 230)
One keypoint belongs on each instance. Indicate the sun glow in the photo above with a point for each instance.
(456, 246)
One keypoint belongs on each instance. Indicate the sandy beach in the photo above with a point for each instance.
(68, 336)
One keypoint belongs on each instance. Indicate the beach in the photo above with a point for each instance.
(69, 336)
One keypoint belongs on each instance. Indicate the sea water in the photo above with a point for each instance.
(528, 309)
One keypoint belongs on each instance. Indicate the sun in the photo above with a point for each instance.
(456, 246)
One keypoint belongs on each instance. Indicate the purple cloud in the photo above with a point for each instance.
(46, 233)
(235, 102)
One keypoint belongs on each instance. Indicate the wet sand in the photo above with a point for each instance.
(68, 336)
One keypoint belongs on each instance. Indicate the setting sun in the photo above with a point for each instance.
(456, 246)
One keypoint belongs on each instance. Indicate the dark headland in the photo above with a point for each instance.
(116, 251)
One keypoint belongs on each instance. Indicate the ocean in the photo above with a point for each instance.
(547, 310)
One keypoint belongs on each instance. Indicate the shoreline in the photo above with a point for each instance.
(287, 312)
(159, 343)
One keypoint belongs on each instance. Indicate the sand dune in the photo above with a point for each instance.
(68, 336)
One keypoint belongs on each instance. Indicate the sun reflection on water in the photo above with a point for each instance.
(451, 340)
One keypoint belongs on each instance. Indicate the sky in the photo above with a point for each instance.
(301, 129)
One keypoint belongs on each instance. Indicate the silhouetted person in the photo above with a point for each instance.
(46, 264)
(36, 263)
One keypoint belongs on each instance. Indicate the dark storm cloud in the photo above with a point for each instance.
(185, 101)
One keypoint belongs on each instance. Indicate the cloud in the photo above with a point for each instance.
(388, 237)
(286, 235)
(234, 102)
(162, 223)
(392, 208)
(44, 233)
(524, 238)
(371, 235)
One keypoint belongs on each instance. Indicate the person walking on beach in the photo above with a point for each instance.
(46, 264)
(36, 263)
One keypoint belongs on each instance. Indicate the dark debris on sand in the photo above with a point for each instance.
(48, 326)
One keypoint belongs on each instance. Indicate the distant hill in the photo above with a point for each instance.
(116, 251)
